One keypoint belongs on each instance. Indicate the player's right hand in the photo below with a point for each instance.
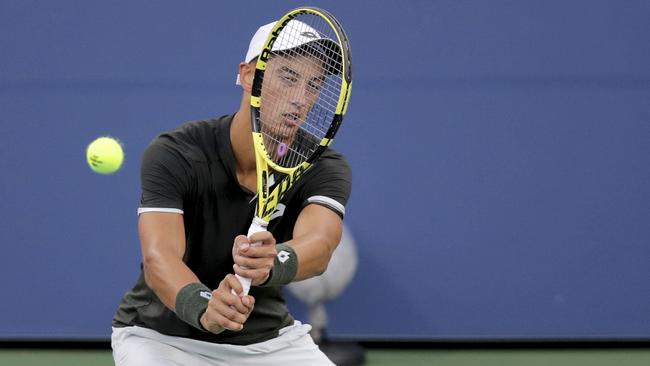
(254, 256)
(227, 310)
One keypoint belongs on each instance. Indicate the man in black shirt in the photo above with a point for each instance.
(198, 199)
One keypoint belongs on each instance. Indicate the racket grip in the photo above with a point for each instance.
(256, 226)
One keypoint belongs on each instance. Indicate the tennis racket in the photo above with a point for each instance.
(299, 96)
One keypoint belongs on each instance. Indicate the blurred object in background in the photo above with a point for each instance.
(316, 291)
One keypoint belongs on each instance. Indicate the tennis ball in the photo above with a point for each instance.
(105, 155)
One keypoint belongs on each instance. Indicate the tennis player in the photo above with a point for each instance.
(198, 183)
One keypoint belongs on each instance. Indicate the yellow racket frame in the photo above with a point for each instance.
(268, 201)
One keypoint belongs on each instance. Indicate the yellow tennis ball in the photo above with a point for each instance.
(105, 155)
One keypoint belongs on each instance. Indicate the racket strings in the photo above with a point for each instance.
(301, 93)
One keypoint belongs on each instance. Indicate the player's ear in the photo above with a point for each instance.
(246, 75)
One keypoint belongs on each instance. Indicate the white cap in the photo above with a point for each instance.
(300, 33)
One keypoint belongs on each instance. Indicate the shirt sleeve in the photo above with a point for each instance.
(165, 178)
(330, 184)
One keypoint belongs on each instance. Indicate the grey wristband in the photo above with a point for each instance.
(285, 267)
(191, 302)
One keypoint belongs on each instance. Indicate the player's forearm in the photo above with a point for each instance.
(316, 235)
(314, 253)
(162, 236)
(167, 275)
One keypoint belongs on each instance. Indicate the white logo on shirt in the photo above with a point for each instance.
(279, 211)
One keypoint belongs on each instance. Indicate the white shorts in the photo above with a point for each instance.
(137, 346)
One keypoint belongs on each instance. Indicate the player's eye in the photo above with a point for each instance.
(288, 78)
(314, 86)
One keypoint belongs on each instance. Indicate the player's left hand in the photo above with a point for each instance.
(252, 260)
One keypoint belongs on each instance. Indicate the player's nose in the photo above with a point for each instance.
(299, 100)
(301, 97)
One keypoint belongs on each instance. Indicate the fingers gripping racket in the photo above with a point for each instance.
(299, 96)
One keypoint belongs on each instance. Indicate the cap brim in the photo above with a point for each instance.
(318, 47)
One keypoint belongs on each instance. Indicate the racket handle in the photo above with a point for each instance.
(256, 226)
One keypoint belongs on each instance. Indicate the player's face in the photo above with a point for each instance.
(290, 89)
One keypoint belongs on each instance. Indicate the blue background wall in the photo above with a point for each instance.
(512, 199)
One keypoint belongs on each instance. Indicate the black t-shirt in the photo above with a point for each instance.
(191, 170)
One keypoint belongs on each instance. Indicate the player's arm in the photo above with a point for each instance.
(316, 235)
(162, 238)
(319, 227)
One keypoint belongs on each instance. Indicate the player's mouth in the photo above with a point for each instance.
(291, 119)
